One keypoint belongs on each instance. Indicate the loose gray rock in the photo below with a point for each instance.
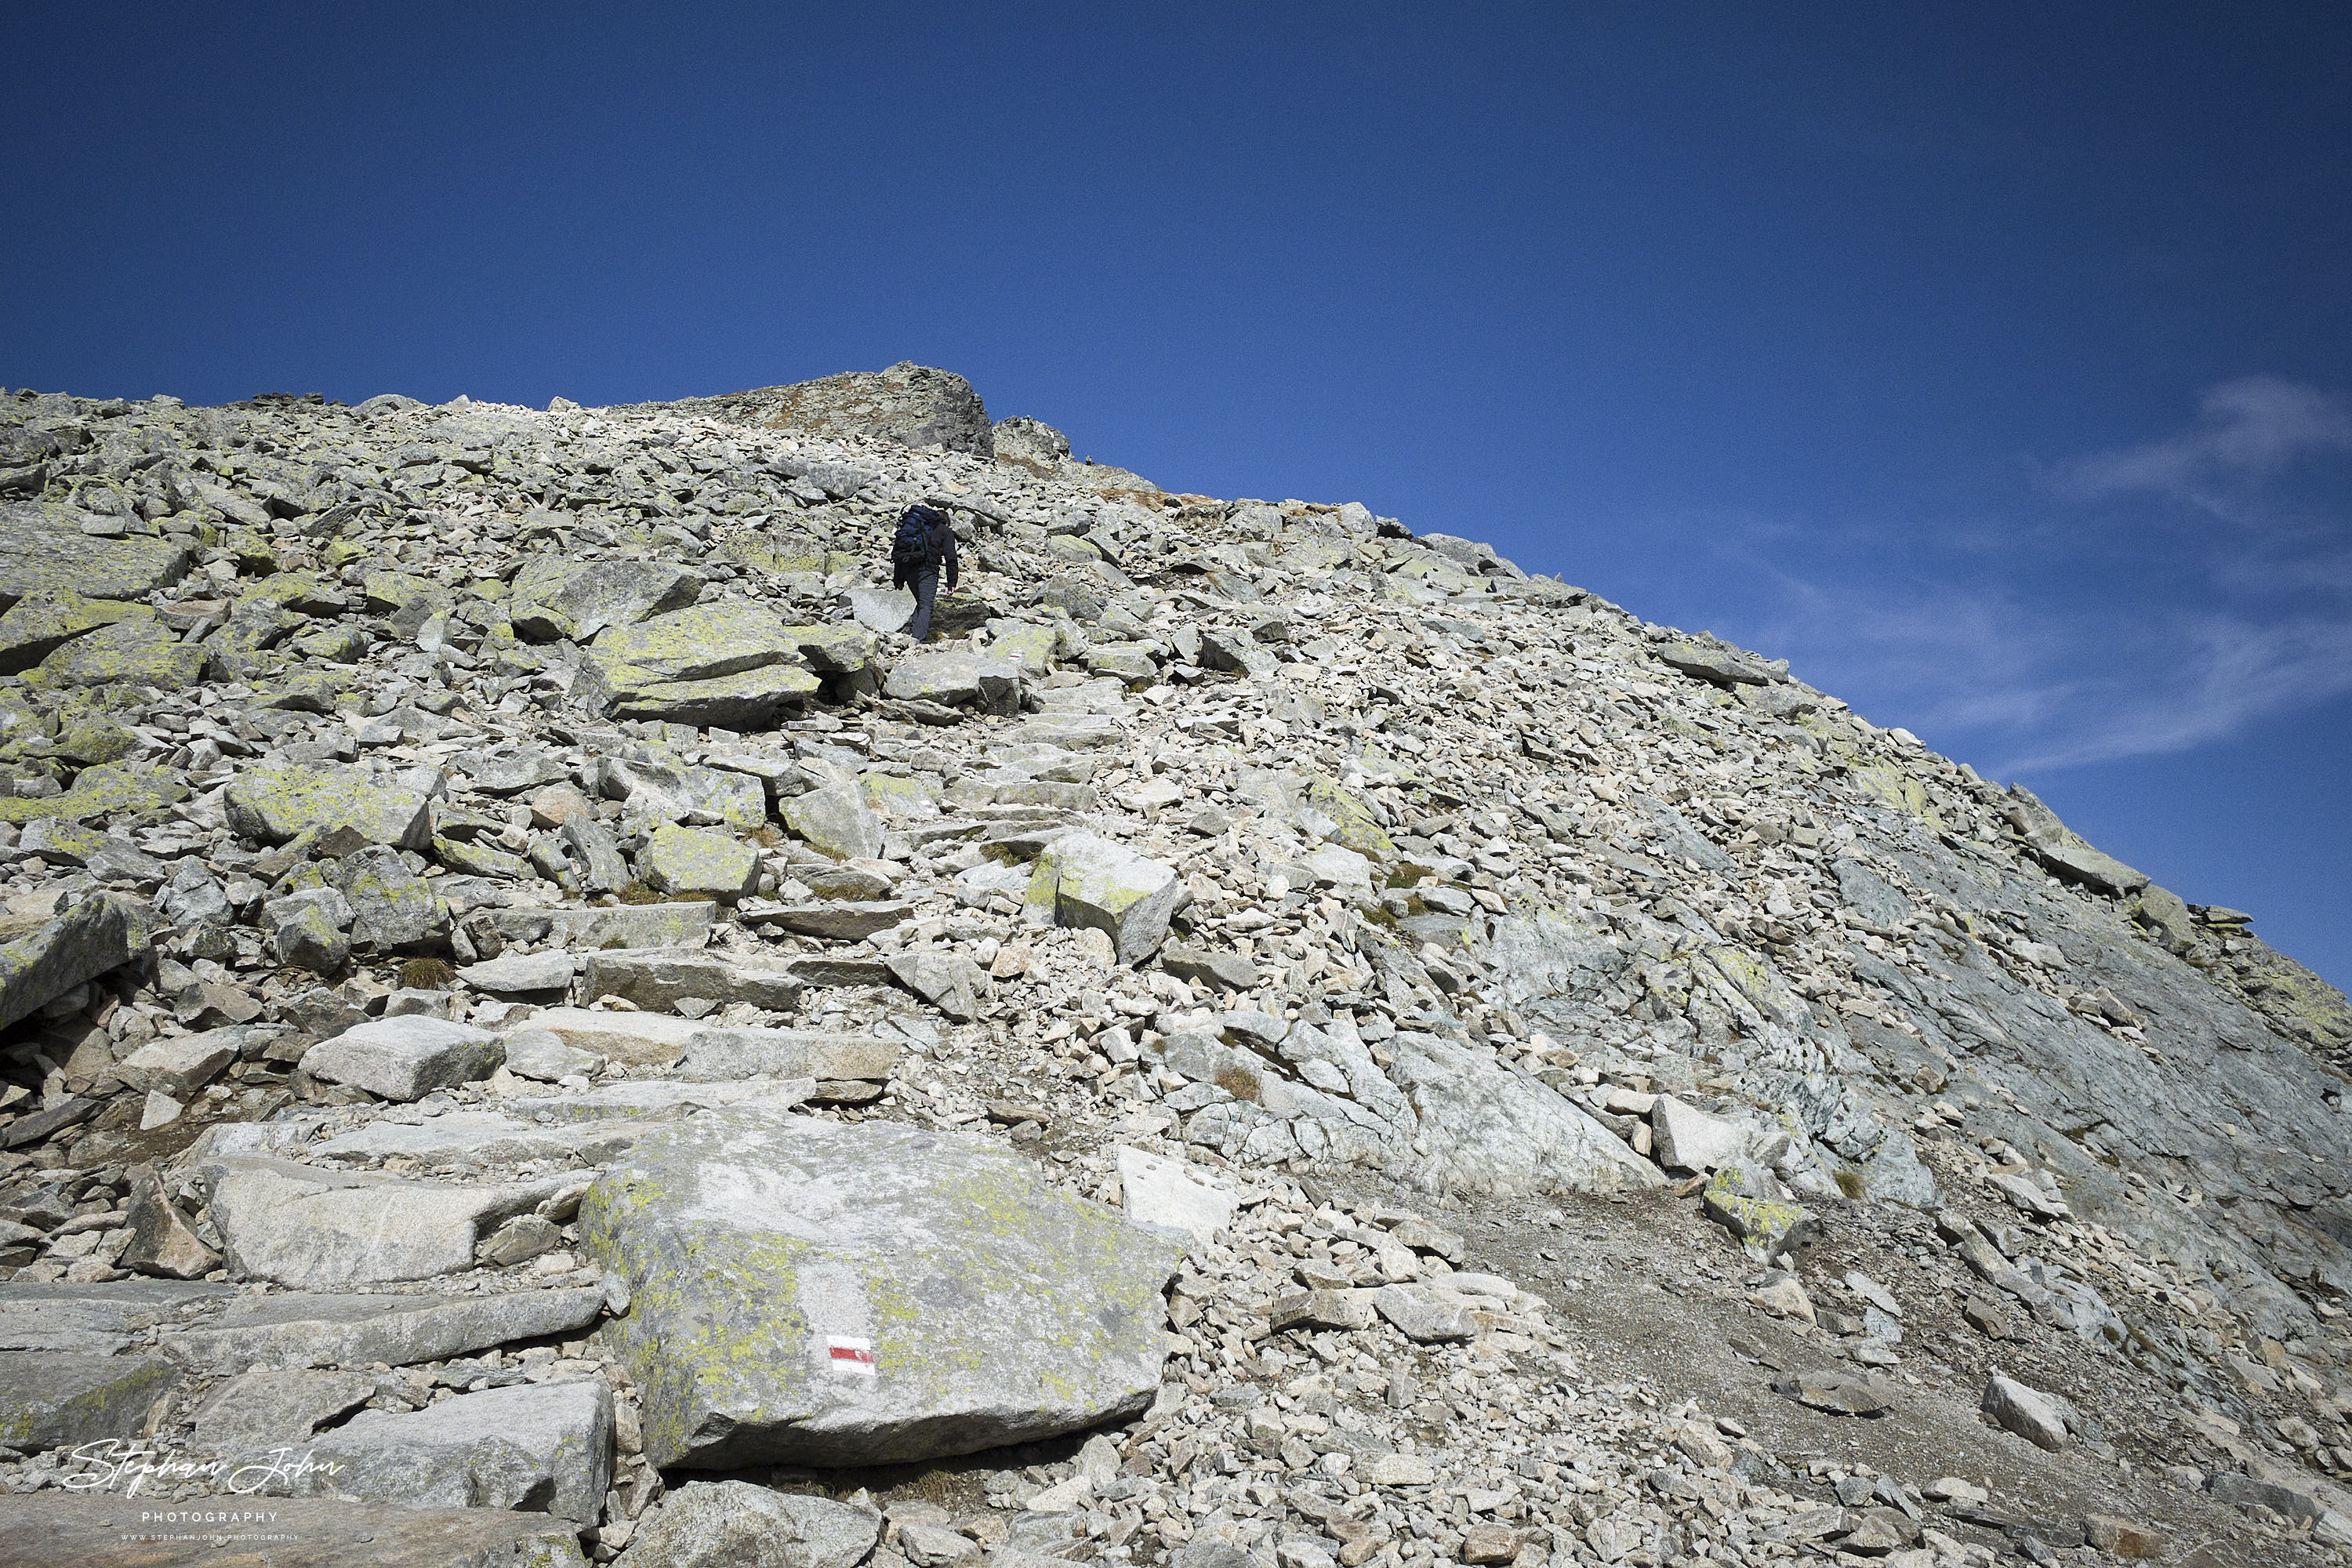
(302, 1330)
(544, 1447)
(1088, 881)
(1839, 1393)
(1225, 971)
(180, 1066)
(1685, 1139)
(405, 1059)
(835, 821)
(732, 1524)
(656, 977)
(1718, 664)
(393, 909)
(277, 803)
(1423, 1316)
(947, 981)
(53, 1400)
(2024, 1411)
(162, 1242)
(97, 934)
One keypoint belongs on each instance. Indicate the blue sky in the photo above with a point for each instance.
(1992, 363)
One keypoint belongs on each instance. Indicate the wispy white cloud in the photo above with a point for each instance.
(2247, 430)
(2096, 639)
(2230, 675)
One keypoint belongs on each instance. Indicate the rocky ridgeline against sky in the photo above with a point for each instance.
(1277, 1042)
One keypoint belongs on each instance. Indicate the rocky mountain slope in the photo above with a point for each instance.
(538, 1025)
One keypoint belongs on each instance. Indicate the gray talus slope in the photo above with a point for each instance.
(1263, 839)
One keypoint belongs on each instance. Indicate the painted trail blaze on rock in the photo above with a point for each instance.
(808, 1292)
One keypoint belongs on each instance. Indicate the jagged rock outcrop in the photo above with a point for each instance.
(421, 822)
(913, 405)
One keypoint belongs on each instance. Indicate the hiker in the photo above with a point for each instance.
(923, 544)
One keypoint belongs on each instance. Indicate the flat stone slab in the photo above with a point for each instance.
(546, 1445)
(302, 1330)
(839, 923)
(663, 1040)
(314, 1229)
(276, 804)
(803, 1291)
(656, 977)
(43, 550)
(706, 1524)
(509, 973)
(484, 1138)
(635, 1099)
(407, 1057)
(1172, 1195)
(97, 1318)
(57, 1400)
(685, 923)
(107, 1529)
(716, 1053)
(638, 1039)
(277, 1405)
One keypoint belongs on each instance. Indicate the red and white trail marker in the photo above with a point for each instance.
(851, 1358)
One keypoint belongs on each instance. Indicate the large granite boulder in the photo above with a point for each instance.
(39, 623)
(555, 599)
(277, 803)
(957, 677)
(1086, 880)
(134, 652)
(810, 1292)
(43, 550)
(43, 962)
(730, 663)
(54, 1400)
(693, 863)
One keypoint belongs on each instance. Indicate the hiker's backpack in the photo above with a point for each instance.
(910, 547)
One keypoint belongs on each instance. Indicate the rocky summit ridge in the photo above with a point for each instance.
(538, 1026)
